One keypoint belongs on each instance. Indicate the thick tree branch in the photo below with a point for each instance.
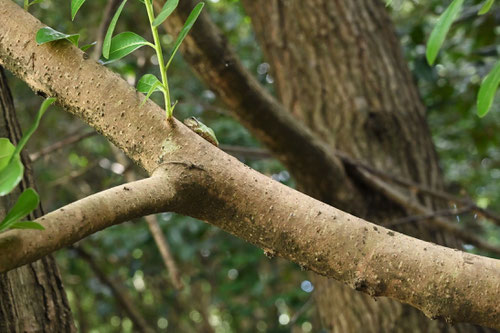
(290, 140)
(442, 282)
(257, 153)
(197, 179)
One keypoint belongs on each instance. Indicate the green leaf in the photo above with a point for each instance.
(124, 44)
(47, 34)
(11, 175)
(106, 45)
(6, 151)
(388, 3)
(486, 7)
(27, 202)
(187, 26)
(27, 225)
(165, 12)
(157, 86)
(12, 172)
(87, 46)
(75, 6)
(146, 82)
(45, 105)
(487, 90)
(441, 29)
(35, 2)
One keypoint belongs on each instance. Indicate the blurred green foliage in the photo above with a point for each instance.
(229, 283)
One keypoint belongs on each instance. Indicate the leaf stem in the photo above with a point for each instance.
(159, 54)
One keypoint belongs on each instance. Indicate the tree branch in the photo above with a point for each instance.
(72, 139)
(376, 179)
(437, 222)
(418, 218)
(419, 187)
(287, 223)
(195, 178)
(412, 186)
(303, 153)
(107, 14)
(79, 219)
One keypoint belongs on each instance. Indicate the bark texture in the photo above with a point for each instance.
(441, 282)
(213, 180)
(339, 68)
(32, 297)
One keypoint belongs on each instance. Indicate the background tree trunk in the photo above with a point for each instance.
(338, 67)
(32, 297)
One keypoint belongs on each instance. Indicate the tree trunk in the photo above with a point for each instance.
(32, 297)
(339, 69)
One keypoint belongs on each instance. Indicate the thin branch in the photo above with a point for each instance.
(418, 218)
(247, 152)
(419, 187)
(166, 253)
(307, 304)
(437, 222)
(118, 291)
(72, 175)
(108, 12)
(70, 140)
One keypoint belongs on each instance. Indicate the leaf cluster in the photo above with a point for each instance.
(11, 173)
(121, 45)
(437, 37)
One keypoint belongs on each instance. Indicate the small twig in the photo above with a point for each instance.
(253, 153)
(412, 205)
(471, 13)
(194, 100)
(418, 218)
(164, 248)
(72, 175)
(72, 139)
(420, 188)
(300, 311)
(111, 7)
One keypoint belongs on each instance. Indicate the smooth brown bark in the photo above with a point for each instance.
(32, 297)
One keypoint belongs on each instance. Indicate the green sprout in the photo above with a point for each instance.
(125, 43)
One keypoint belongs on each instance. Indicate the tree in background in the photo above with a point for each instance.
(354, 92)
